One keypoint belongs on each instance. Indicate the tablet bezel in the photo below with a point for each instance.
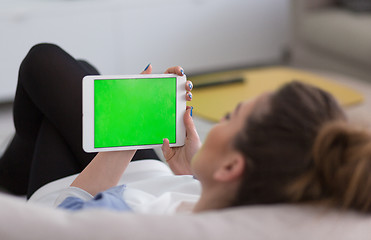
(88, 111)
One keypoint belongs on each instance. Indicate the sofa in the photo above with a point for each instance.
(332, 35)
(21, 220)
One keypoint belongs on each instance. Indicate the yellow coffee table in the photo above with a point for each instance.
(214, 102)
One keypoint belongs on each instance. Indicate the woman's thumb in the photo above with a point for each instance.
(147, 70)
(166, 150)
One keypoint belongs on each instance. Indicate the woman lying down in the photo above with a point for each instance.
(290, 146)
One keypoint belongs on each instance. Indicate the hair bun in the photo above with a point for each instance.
(342, 159)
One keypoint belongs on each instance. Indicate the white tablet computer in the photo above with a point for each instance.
(133, 111)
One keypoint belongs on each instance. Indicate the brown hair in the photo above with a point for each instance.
(341, 175)
(301, 149)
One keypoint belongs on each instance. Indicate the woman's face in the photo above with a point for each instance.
(219, 141)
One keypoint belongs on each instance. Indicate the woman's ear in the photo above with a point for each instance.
(231, 168)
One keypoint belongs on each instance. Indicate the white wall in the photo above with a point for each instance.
(123, 36)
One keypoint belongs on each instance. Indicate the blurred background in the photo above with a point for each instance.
(123, 36)
(329, 37)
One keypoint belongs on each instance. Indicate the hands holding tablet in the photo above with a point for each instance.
(179, 158)
(105, 170)
(126, 112)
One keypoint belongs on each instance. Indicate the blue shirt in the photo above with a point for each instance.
(109, 199)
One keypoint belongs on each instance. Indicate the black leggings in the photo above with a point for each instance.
(48, 120)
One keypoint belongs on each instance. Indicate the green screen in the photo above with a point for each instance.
(131, 112)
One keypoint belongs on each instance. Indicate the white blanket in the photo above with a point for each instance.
(151, 188)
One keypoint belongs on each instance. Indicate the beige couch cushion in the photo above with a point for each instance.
(311, 4)
(340, 32)
(19, 220)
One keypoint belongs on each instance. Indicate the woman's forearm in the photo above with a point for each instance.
(103, 172)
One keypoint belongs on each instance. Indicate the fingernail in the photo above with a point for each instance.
(191, 111)
(147, 67)
(182, 71)
(190, 86)
(190, 96)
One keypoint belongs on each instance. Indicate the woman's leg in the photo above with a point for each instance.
(48, 97)
(52, 158)
(49, 87)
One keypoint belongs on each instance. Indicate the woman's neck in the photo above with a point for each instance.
(215, 198)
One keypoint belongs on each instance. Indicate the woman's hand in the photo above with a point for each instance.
(179, 158)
